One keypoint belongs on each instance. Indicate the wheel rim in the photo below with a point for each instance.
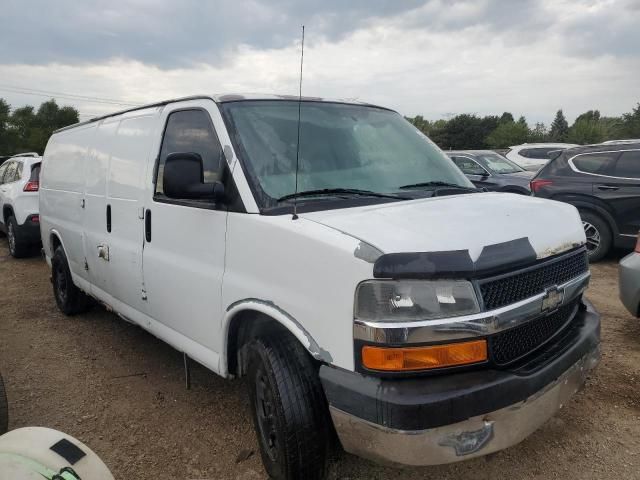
(12, 239)
(265, 412)
(60, 282)
(593, 236)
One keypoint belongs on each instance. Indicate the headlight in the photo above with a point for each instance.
(410, 300)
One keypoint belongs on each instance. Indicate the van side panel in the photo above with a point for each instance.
(130, 153)
(62, 191)
(94, 222)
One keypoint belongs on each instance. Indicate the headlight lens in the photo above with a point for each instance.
(410, 300)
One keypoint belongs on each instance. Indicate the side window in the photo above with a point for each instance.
(191, 131)
(628, 165)
(598, 163)
(3, 168)
(537, 153)
(469, 167)
(10, 173)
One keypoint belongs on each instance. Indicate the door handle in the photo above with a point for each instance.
(109, 218)
(147, 225)
(607, 187)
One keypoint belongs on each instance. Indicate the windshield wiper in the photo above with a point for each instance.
(340, 191)
(437, 183)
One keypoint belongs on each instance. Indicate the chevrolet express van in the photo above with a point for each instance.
(332, 254)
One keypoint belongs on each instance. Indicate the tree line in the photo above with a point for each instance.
(468, 131)
(26, 129)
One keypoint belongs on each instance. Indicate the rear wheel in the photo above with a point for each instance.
(4, 409)
(598, 235)
(289, 410)
(70, 299)
(17, 247)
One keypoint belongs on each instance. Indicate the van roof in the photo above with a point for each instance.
(223, 98)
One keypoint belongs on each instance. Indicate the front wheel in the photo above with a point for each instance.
(289, 409)
(598, 235)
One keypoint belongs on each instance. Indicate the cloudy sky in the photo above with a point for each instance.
(429, 57)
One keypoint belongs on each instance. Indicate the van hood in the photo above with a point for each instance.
(461, 222)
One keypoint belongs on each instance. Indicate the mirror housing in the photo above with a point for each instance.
(183, 178)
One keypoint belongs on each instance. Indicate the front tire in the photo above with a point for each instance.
(598, 233)
(17, 247)
(4, 409)
(289, 409)
(69, 298)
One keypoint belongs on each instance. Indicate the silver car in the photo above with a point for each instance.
(629, 272)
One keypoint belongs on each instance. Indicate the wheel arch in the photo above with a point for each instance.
(252, 317)
(55, 240)
(589, 206)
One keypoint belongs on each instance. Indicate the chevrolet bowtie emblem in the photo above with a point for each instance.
(552, 299)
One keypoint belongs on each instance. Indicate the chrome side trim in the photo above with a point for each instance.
(470, 438)
(467, 326)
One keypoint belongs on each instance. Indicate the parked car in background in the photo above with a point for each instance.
(629, 284)
(603, 182)
(533, 156)
(623, 141)
(19, 218)
(488, 169)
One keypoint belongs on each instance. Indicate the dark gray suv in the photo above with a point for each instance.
(488, 169)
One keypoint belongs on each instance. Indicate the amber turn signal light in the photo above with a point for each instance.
(424, 358)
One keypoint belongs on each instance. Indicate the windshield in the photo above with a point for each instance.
(341, 146)
(498, 163)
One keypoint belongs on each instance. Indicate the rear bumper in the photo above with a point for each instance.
(448, 418)
(629, 273)
(29, 231)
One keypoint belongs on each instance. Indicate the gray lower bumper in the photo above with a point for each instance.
(629, 272)
(473, 437)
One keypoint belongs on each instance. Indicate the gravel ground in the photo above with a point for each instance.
(121, 391)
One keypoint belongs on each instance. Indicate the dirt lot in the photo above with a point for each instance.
(121, 391)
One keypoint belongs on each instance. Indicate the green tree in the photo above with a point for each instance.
(508, 134)
(586, 129)
(559, 128)
(24, 129)
(538, 133)
(506, 117)
(630, 127)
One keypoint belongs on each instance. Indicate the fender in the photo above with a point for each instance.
(272, 310)
(587, 203)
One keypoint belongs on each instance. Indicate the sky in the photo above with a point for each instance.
(435, 58)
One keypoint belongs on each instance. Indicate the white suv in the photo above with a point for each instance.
(533, 156)
(19, 185)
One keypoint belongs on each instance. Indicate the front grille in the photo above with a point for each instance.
(513, 344)
(511, 288)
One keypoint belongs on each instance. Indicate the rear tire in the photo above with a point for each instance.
(17, 247)
(70, 299)
(4, 409)
(598, 233)
(289, 410)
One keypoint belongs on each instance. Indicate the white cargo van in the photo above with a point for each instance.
(422, 320)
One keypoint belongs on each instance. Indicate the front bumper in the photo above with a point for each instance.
(629, 272)
(448, 418)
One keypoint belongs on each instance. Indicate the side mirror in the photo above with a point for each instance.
(183, 177)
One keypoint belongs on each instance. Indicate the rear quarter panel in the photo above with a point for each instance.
(62, 190)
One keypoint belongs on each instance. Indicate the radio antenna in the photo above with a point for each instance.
(295, 198)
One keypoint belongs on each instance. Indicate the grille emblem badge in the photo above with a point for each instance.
(553, 297)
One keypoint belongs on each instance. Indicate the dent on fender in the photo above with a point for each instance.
(312, 346)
